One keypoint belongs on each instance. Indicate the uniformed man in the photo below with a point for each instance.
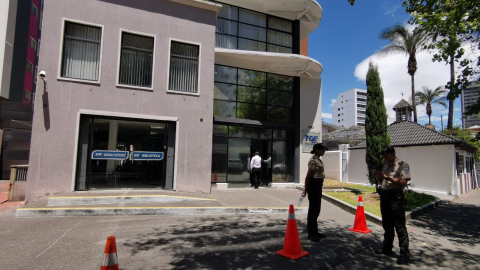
(313, 186)
(394, 176)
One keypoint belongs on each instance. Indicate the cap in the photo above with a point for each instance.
(388, 150)
(318, 146)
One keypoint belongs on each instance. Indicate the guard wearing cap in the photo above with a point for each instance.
(395, 175)
(313, 186)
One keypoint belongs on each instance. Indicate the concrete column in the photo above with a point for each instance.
(112, 144)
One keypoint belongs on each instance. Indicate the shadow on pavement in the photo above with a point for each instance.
(247, 242)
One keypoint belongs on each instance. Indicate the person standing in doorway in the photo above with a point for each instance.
(256, 168)
(249, 168)
(395, 175)
(313, 187)
(268, 174)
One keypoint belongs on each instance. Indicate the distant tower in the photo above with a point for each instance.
(403, 110)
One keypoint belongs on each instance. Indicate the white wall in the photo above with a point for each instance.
(332, 161)
(8, 9)
(431, 167)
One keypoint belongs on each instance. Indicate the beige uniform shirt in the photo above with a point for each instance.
(316, 165)
(398, 169)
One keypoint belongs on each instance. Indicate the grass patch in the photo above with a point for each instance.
(371, 200)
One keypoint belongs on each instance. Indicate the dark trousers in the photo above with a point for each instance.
(256, 176)
(392, 206)
(314, 191)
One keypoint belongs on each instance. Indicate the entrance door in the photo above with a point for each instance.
(264, 149)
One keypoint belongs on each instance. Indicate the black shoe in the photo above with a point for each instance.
(383, 251)
(403, 260)
(314, 238)
(321, 235)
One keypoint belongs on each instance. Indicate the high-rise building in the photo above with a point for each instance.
(20, 31)
(469, 97)
(349, 108)
(173, 94)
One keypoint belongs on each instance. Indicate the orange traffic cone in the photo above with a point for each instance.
(215, 178)
(360, 221)
(110, 258)
(291, 245)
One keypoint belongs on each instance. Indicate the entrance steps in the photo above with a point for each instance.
(137, 203)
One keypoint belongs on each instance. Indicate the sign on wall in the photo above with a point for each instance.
(310, 138)
(140, 156)
(110, 155)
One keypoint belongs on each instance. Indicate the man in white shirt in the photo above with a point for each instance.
(256, 167)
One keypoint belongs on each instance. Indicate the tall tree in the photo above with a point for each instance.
(375, 123)
(409, 43)
(431, 97)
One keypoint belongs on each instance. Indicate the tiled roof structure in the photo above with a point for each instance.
(407, 133)
(402, 104)
(353, 134)
(332, 126)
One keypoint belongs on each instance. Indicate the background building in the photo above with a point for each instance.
(20, 31)
(349, 108)
(469, 97)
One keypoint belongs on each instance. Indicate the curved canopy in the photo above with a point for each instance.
(280, 63)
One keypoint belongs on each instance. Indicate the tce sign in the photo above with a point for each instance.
(312, 139)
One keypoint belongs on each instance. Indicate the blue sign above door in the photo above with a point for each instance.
(110, 155)
(140, 156)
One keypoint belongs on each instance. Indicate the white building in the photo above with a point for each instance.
(349, 108)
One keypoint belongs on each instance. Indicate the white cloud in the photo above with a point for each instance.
(457, 109)
(332, 102)
(396, 80)
(326, 115)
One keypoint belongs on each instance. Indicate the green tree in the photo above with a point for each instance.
(409, 43)
(467, 136)
(375, 123)
(430, 97)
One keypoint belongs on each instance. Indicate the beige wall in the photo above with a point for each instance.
(432, 167)
(52, 155)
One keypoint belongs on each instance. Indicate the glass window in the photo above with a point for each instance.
(136, 60)
(279, 49)
(26, 95)
(38, 47)
(29, 67)
(252, 32)
(279, 24)
(33, 44)
(282, 134)
(251, 95)
(225, 74)
(279, 114)
(226, 27)
(251, 111)
(219, 158)
(252, 133)
(251, 45)
(251, 78)
(184, 67)
(220, 130)
(224, 109)
(223, 41)
(225, 91)
(229, 12)
(34, 10)
(252, 17)
(280, 98)
(279, 38)
(280, 82)
(282, 161)
(81, 52)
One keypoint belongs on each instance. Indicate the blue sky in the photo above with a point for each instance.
(346, 41)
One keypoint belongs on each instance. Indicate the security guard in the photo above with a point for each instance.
(313, 186)
(394, 176)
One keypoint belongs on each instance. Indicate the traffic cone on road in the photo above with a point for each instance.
(360, 224)
(291, 245)
(110, 258)
(215, 178)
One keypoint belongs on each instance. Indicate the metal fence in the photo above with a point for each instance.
(16, 191)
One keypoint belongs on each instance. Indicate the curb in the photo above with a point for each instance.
(156, 211)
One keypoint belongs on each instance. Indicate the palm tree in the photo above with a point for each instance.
(429, 97)
(410, 43)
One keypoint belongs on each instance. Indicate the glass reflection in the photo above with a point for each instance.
(252, 78)
(280, 98)
(225, 74)
(251, 111)
(282, 161)
(238, 157)
(280, 82)
(279, 114)
(224, 91)
(219, 158)
(224, 109)
(252, 95)
(250, 45)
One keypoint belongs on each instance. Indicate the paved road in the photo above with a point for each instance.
(445, 238)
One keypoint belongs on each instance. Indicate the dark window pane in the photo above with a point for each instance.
(254, 18)
(184, 67)
(136, 60)
(225, 74)
(251, 78)
(251, 111)
(226, 27)
(279, 24)
(279, 114)
(252, 32)
(280, 98)
(224, 41)
(220, 130)
(224, 109)
(225, 91)
(279, 134)
(250, 45)
(279, 38)
(219, 158)
(282, 161)
(238, 154)
(252, 95)
(229, 12)
(253, 133)
(278, 49)
(280, 82)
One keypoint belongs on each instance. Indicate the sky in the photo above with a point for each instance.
(348, 39)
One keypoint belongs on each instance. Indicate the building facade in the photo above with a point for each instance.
(349, 108)
(470, 96)
(172, 94)
(20, 32)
